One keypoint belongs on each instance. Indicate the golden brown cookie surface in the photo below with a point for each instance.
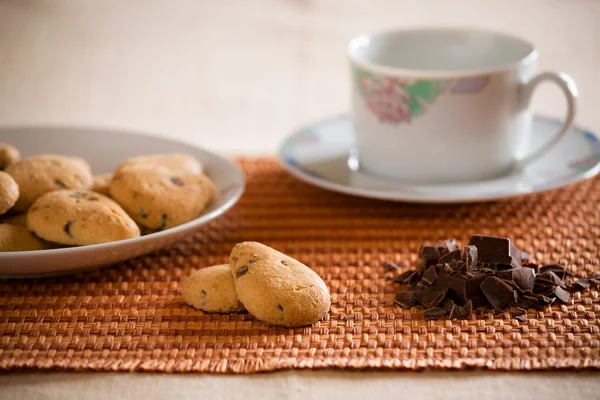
(79, 217)
(276, 288)
(17, 238)
(9, 192)
(158, 198)
(176, 162)
(8, 155)
(101, 184)
(212, 289)
(44, 173)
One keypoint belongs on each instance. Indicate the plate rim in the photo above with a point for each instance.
(176, 230)
(403, 196)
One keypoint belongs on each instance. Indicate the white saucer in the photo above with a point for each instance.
(320, 154)
(105, 150)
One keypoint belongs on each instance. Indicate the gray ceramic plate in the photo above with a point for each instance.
(104, 150)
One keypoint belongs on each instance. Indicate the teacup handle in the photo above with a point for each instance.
(567, 84)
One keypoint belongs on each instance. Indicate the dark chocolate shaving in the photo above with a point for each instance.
(561, 294)
(435, 313)
(406, 299)
(284, 263)
(60, 184)
(143, 213)
(430, 275)
(430, 298)
(498, 293)
(390, 266)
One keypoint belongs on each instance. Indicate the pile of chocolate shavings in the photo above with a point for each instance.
(490, 272)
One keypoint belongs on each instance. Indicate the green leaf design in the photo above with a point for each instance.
(421, 92)
(358, 74)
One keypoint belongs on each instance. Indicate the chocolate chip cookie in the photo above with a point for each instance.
(276, 288)
(158, 198)
(211, 289)
(79, 217)
(44, 173)
(17, 238)
(8, 155)
(176, 162)
(9, 192)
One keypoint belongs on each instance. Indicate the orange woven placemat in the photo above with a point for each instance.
(131, 316)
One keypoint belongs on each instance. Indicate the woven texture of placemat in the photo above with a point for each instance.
(131, 316)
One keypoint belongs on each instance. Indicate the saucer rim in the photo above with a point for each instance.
(398, 195)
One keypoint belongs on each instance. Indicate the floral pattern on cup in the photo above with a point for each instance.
(395, 100)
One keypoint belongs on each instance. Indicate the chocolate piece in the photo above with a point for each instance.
(175, 180)
(521, 318)
(448, 304)
(497, 251)
(462, 312)
(406, 299)
(453, 255)
(390, 266)
(580, 285)
(524, 277)
(544, 300)
(518, 311)
(446, 246)
(241, 271)
(463, 288)
(430, 298)
(528, 301)
(430, 275)
(559, 270)
(548, 276)
(404, 277)
(534, 267)
(561, 294)
(434, 313)
(470, 257)
(498, 293)
(67, 228)
(430, 255)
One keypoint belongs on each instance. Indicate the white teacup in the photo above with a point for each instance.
(447, 105)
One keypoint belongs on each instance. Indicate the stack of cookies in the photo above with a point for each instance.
(273, 287)
(50, 200)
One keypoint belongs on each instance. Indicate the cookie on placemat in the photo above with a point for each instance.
(158, 198)
(9, 192)
(176, 162)
(101, 183)
(79, 217)
(44, 173)
(211, 289)
(276, 288)
(8, 155)
(17, 238)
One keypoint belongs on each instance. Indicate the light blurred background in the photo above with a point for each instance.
(237, 76)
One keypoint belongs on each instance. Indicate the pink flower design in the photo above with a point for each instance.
(387, 99)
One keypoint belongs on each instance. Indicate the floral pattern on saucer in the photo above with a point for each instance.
(395, 100)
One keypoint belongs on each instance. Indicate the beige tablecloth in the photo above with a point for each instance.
(236, 77)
